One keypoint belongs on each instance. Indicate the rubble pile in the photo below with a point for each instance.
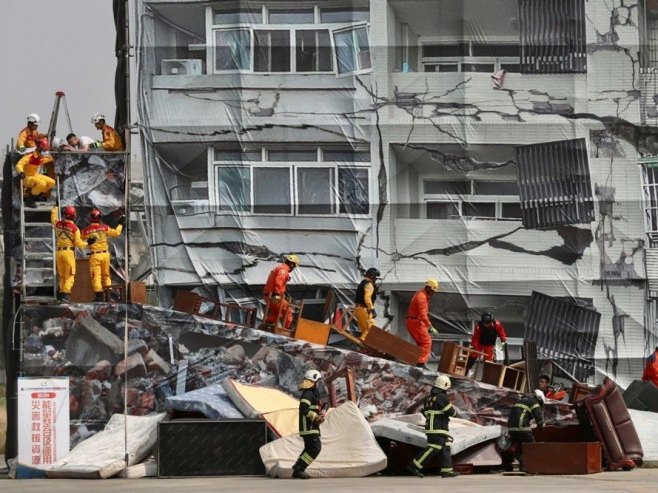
(85, 343)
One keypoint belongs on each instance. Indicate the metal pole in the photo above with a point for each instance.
(127, 137)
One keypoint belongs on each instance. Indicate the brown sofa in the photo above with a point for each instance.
(604, 413)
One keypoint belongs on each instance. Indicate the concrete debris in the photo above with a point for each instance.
(134, 365)
(90, 342)
(155, 363)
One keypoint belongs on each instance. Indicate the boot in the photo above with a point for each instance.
(412, 469)
(449, 474)
(65, 298)
(30, 201)
(100, 297)
(300, 474)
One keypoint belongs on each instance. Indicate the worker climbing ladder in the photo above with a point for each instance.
(38, 278)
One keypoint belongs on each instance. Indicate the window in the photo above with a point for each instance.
(474, 199)
(232, 49)
(352, 50)
(650, 186)
(553, 36)
(471, 56)
(313, 181)
(555, 184)
(301, 40)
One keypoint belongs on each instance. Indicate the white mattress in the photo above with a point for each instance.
(410, 429)
(349, 449)
(102, 455)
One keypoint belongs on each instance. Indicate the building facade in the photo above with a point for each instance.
(501, 146)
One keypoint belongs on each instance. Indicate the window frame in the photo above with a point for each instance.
(460, 60)
(215, 166)
(459, 200)
(331, 28)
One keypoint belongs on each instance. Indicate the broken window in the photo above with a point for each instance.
(553, 38)
(353, 190)
(232, 49)
(565, 332)
(555, 184)
(352, 50)
(316, 180)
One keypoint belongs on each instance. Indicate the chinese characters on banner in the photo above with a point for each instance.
(43, 421)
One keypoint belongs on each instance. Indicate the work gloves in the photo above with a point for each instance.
(96, 145)
(91, 241)
(21, 149)
(373, 313)
(122, 220)
(22, 175)
(432, 331)
(318, 420)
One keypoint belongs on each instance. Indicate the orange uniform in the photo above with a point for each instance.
(650, 372)
(99, 262)
(418, 323)
(111, 139)
(28, 138)
(67, 236)
(274, 294)
(31, 164)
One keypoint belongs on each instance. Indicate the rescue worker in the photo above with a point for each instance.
(437, 410)
(518, 426)
(650, 372)
(75, 143)
(27, 138)
(364, 301)
(96, 235)
(484, 337)
(310, 418)
(111, 140)
(274, 292)
(418, 321)
(67, 237)
(550, 392)
(29, 170)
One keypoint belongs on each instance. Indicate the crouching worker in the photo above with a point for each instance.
(518, 426)
(29, 168)
(310, 418)
(437, 410)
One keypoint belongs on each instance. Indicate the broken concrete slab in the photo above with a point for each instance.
(134, 365)
(89, 342)
(155, 362)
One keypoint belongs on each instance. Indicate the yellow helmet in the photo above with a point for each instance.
(433, 284)
(292, 258)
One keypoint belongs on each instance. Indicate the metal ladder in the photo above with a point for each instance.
(38, 256)
(39, 272)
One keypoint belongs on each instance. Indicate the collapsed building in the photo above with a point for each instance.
(423, 137)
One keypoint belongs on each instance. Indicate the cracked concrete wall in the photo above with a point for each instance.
(412, 111)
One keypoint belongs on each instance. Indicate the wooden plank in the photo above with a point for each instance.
(562, 457)
(394, 346)
(312, 331)
(354, 340)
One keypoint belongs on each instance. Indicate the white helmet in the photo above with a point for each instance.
(33, 118)
(313, 376)
(442, 382)
(97, 117)
(57, 143)
(539, 395)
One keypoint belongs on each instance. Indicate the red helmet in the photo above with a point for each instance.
(42, 144)
(69, 212)
(95, 216)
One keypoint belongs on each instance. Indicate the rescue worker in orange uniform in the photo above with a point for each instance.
(27, 138)
(650, 372)
(111, 140)
(96, 235)
(67, 237)
(364, 302)
(29, 169)
(274, 293)
(485, 334)
(418, 321)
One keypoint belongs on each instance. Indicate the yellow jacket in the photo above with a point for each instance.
(28, 138)
(30, 163)
(111, 139)
(67, 233)
(101, 232)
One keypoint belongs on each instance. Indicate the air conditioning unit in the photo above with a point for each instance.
(181, 67)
